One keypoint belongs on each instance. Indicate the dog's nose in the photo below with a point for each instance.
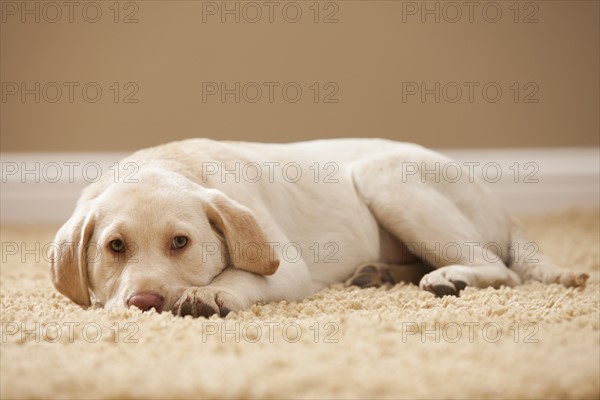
(146, 300)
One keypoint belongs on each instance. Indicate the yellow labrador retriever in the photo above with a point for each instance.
(208, 227)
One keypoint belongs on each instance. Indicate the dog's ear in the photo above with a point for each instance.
(247, 242)
(68, 258)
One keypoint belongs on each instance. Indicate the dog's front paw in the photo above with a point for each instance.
(204, 302)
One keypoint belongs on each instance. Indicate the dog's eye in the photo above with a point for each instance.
(179, 242)
(117, 245)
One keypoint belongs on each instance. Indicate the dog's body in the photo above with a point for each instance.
(206, 226)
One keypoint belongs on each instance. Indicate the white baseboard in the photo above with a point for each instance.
(33, 197)
(547, 180)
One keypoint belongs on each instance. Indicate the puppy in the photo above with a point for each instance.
(203, 227)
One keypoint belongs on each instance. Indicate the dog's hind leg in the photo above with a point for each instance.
(381, 274)
(457, 227)
(531, 264)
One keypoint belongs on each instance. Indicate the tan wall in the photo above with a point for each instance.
(372, 57)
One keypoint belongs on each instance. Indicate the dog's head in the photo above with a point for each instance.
(159, 235)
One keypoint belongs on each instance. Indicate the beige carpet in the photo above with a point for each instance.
(534, 341)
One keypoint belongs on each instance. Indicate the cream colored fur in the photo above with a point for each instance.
(335, 202)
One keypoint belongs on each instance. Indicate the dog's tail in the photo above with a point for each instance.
(530, 263)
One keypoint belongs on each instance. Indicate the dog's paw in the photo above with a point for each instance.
(204, 302)
(445, 281)
(574, 279)
(371, 275)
